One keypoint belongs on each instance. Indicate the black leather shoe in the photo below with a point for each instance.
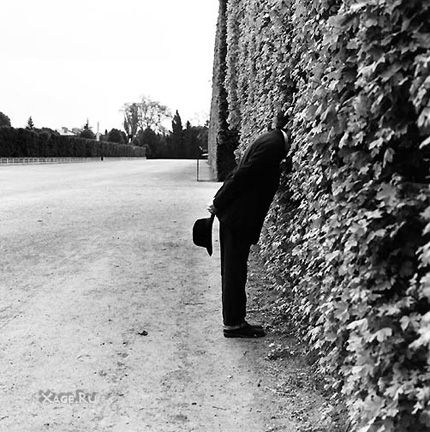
(245, 331)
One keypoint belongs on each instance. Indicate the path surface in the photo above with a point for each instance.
(103, 291)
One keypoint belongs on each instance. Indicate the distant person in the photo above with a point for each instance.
(241, 205)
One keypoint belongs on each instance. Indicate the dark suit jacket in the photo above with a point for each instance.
(244, 199)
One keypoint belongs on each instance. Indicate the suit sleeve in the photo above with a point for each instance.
(260, 159)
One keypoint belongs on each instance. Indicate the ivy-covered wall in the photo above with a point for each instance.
(347, 240)
(214, 111)
(223, 138)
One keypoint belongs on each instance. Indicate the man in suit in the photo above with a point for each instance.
(241, 205)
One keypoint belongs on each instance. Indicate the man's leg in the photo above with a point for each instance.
(234, 267)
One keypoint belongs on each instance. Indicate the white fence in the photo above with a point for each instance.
(57, 160)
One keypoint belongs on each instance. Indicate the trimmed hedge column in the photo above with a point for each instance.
(223, 139)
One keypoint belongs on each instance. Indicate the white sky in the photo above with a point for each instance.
(65, 61)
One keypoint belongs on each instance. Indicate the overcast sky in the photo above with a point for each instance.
(65, 61)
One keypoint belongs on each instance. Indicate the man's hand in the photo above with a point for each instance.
(211, 209)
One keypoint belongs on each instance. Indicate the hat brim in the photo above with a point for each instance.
(202, 233)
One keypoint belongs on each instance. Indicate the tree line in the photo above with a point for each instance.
(144, 123)
(145, 127)
(45, 142)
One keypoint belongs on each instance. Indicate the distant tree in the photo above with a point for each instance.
(49, 131)
(30, 124)
(125, 137)
(143, 122)
(131, 119)
(195, 140)
(177, 123)
(104, 136)
(45, 134)
(177, 136)
(143, 115)
(188, 143)
(87, 132)
(152, 114)
(127, 129)
(148, 137)
(4, 120)
(116, 136)
(157, 145)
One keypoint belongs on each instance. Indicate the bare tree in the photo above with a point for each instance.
(147, 113)
(131, 119)
(152, 114)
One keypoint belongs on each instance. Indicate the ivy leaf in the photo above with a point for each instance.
(387, 193)
(375, 214)
(376, 144)
(355, 7)
(367, 71)
(426, 292)
(404, 322)
(382, 334)
(361, 324)
(388, 156)
(390, 72)
(425, 143)
(424, 118)
(423, 39)
(424, 331)
(353, 44)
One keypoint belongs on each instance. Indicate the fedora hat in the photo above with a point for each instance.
(202, 233)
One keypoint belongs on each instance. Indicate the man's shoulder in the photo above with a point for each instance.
(272, 136)
(269, 145)
(271, 142)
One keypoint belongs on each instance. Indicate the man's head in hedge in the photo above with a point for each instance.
(282, 119)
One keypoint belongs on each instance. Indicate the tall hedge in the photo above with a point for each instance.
(347, 240)
(223, 137)
(28, 143)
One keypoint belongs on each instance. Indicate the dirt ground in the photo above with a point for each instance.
(103, 292)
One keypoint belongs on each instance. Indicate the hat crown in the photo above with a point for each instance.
(202, 233)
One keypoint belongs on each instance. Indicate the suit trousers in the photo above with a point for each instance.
(234, 268)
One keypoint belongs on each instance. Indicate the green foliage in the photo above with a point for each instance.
(131, 119)
(4, 120)
(143, 123)
(151, 114)
(156, 144)
(48, 143)
(224, 137)
(115, 136)
(30, 123)
(177, 124)
(193, 141)
(87, 132)
(347, 242)
(177, 136)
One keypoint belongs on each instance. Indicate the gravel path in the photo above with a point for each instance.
(102, 291)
